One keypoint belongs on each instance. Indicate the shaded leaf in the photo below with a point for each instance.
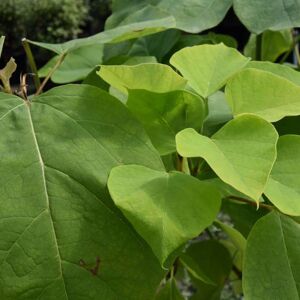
(219, 113)
(76, 66)
(272, 261)
(190, 15)
(213, 259)
(259, 16)
(165, 114)
(122, 33)
(283, 188)
(169, 291)
(273, 44)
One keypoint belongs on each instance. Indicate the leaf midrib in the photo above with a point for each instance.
(42, 167)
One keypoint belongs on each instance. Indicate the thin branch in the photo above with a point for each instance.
(240, 199)
(58, 63)
(259, 42)
(32, 63)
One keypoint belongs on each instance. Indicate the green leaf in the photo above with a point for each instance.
(273, 44)
(61, 235)
(267, 95)
(277, 69)
(165, 114)
(235, 236)
(196, 271)
(219, 113)
(157, 45)
(259, 16)
(272, 261)
(169, 291)
(241, 153)
(157, 78)
(218, 63)
(190, 15)
(243, 216)
(188, 40)
(165, 209)
(76, 66)
(122, 33)
(283, 188)
(214, 260)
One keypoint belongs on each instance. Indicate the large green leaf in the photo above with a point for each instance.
(241, 153)
(267, 95)
(272, 262)
(283, 188)
(259, 16)
(61, 237)
(190, 15)
(165, 114)
(157, 78)
(273, 44)
(122, 33)
(208, 67)
(76, 66)
(166, 209)
(211, 258)
(277, 69)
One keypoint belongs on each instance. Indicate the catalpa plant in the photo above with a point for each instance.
(123, 195)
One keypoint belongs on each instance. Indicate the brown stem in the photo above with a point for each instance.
(58, 63)
(32, 63)
(240, 199)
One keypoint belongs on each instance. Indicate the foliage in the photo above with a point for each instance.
(57, 20)
(174, 162)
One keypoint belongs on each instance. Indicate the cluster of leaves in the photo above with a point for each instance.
(128, 184)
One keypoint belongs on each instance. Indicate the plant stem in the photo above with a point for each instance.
(58, 63)
(259, 46)
(240, 199)
(32, 63)
(179, 163)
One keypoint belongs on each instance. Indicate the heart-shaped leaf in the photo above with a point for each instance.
(241, 153)
(283, 188)
(208, 67)
(272, 260)
(60, 232)
(165, 114)
(166, 209)
(262, 93)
